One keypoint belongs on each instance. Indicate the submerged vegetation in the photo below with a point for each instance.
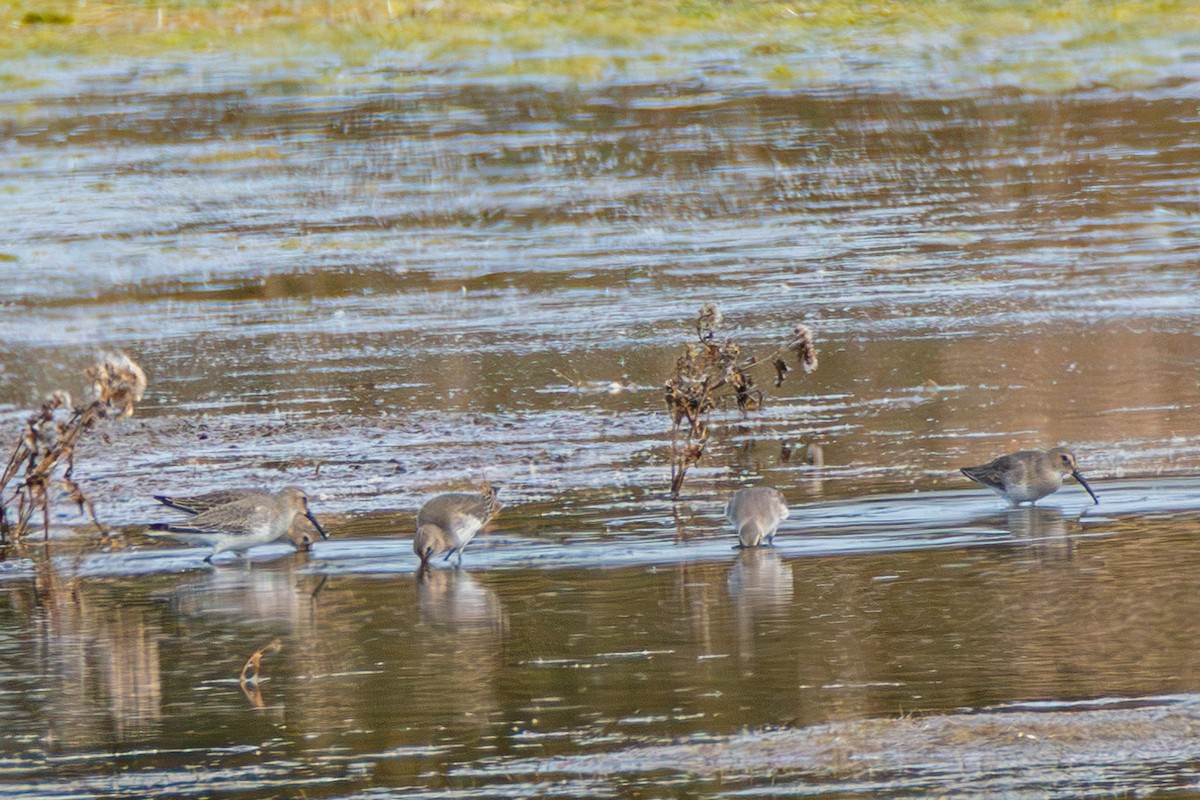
(711, 371)
(44, 454)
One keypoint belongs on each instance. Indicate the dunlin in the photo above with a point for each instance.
(1028, 475)
(199, 503)
(447, 523)
(756, 513)
(247, 518)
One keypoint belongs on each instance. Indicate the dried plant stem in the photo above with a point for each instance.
(41, 462)
(47, 445)
(250, 671)
(709, 371)
(249, 677)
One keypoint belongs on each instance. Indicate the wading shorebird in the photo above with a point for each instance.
(447, 523)
(246, 518)
(755, 514)
(199, 503)
(1028, 475)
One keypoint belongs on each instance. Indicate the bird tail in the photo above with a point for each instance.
(179, 504)
(488, 493)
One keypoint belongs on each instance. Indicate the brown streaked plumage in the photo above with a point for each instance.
(247, 519)
(1028, 475)
(199, 503)
(755, 514)
(448, 522)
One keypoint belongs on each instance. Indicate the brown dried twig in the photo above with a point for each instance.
(45, 452)
(248, 681)
(251, 670)
(710, 370)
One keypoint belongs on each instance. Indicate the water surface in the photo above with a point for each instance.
(381, 288)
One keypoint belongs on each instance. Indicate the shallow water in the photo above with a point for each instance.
(380, 288)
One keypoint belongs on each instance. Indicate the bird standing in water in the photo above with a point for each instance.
(756, 514)
(1028, 475)
(448, 522)
(237, 519)
(199, 503)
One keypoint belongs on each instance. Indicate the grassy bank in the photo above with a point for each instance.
(455, 27)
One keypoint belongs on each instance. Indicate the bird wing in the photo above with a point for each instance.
(784, 511)
(995, 474)
(198, 504)
(486, 509)
(240, 516)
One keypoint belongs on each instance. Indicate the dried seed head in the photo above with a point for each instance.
(58, 399)
(119, 382)
(77, 496)
(802, 345)
(708, 321)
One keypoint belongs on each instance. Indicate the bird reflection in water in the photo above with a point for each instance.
(462, 649)
(258, 604)
(452, 598)
(277, 599)
(1044, 530)
(760, 583)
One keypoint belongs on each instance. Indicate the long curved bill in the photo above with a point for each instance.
(1075, 474)
(325, 535)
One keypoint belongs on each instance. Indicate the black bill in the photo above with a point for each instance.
(1075, 474)
(325, 535)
